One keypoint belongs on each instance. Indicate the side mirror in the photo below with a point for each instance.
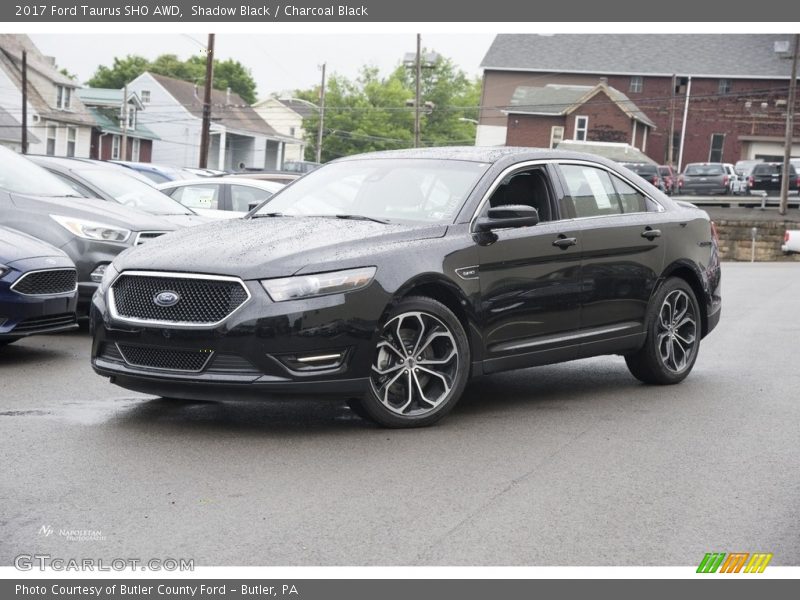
(511, 215)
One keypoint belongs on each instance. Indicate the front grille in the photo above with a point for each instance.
(145, 236)
(165, 359)
(45, 283)
(200, 301)
(44, 323)
(229, 364)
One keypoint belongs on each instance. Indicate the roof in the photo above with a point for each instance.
(92, 95)
(11, 129)
(107, 120)
(304, 108)
(714, 55)
(610, 150)
(555, 99)
(228, 110)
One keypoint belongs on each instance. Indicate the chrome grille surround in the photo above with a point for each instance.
(47, 282)
(170, 281)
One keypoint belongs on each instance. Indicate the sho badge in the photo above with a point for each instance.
(166, 298)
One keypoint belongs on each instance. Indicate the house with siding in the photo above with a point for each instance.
(732, 89)
(107, 109)
(173, 111)
(58, 122)
(286, 116)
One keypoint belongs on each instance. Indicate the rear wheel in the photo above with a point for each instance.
(673, 336)
(420, 366)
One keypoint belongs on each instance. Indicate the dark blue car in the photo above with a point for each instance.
(38, 287)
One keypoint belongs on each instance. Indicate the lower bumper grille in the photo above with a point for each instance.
(165, 359)
(44, 323)
(185, 361)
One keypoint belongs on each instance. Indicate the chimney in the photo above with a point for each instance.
(604, 80)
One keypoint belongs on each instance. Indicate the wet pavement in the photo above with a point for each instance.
(574, 464)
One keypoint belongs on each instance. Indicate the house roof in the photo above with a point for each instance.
(553, 99)
(715, 55)
(107, 120)
(11, 129)
(611, 150)
(11, 47)
(229, 110)
(304, 108)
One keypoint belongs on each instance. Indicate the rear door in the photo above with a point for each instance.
(622, 235)
(529, 277)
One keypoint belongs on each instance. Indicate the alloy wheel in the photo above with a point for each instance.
(416, 364)
(677, 331)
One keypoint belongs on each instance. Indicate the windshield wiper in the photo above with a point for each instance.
(271, 214)
(362, 218)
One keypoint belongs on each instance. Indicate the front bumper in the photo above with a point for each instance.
(21, 316)
(262, 348)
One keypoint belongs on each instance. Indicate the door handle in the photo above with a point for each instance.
(651, 234)
(564, 242)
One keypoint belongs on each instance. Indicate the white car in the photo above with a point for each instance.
(736, 185)
(235, 196)
(791, 241)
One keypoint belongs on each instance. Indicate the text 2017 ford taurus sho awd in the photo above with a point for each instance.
(391, 278)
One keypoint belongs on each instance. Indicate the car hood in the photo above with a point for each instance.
(91, 209)
(15, 245)
(272, 247)
(186, 220)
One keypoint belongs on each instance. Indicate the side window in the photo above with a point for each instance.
(530, 187)
(197, 196)
(632, 200)
(591, 190)
(244, 198)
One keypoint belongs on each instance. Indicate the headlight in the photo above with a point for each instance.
(89, 230)
(4, 269)
(305, 286)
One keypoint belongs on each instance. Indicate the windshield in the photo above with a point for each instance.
(664, 171)
(18, 174)
(705, 170)
(418, 190)
(132, 192)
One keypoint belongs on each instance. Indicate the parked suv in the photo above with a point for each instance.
(704, 179)
(767, 177)
(648, 172)
(91, 232)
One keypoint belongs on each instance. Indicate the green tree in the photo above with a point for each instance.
(377, 113)
(227, 73)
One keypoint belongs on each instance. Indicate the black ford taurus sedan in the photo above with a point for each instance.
(391, 278)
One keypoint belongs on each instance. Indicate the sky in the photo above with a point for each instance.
(278, 62)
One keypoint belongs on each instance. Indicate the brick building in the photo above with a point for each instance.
(732, 88)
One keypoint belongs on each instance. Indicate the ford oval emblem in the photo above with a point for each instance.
(167, 298)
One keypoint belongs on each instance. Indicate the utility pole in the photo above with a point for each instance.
(24, 135)
(670, 141)
(417, 94)
(787, 148)
(124, 152)
(205, 133)
(321, 126)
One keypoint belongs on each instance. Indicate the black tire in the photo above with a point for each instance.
(6, 342)
(420, 366)
(673, 336)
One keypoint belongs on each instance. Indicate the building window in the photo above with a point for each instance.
(725, 86)
(115, 147)
(715, 151)
(52, 133)
(145, 96)
(131, 118)
(637, 83)
(135, 146)
(581, 128)
(292, 131)
(63, 97)
(556, 135)
(72, 135)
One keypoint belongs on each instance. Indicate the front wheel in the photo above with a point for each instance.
(420, 365)
(673, 336)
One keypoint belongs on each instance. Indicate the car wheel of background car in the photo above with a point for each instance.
(673, 336)
(420, 366)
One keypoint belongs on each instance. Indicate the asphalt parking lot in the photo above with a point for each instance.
(572, 464)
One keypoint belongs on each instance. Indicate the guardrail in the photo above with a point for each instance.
(754, 200)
